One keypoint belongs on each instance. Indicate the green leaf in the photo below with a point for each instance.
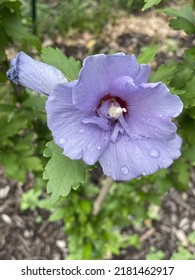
(69, 66)
(182, 23)
(182, 254)
(148, 54)
(62, 172)
(189, 97)
(10, 127)
(16, 30)
(184, 12)
(164, 73)
(189, 154)
(185, 18)
(150, 3)
(191, 238)
(182, 170)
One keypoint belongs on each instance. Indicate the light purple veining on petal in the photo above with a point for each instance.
(140, 157)
(65, 122)
(34, 74)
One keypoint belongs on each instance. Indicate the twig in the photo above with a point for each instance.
(102, 195)
(147, 234)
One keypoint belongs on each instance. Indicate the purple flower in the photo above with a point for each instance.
(111, 114)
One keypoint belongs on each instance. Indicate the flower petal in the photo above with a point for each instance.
(34, 74)
(150, 108)
(127, 159)
(99, 72)
(86, 141)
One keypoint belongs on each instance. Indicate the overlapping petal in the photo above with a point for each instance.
(127, 159)
(79, 140)
(99, 72)
(150, 108)
(34, 74)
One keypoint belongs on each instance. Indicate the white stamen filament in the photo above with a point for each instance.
(115, 111)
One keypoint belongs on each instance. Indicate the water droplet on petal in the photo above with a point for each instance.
(144, 173)
(124, 170)
(61, 140)
(92, 161)
(98, 147)
(92, 149)
(108, 162)
(81, 131)
(140, 155)
(154, 153)
(161, 116)
(42, 70)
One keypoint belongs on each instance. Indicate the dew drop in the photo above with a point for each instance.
(98, 147)
(42, 70)
(108, 162)
(81, 131)
(61, 140)
(92, 149)
(144, 173)
(92, 161)
(124, 170)
(154, 153)
(140, 155)
(161, 116)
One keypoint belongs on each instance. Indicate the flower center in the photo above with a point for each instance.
(115, 111)
(112, 107)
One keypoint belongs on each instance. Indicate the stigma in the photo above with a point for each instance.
(115, 111)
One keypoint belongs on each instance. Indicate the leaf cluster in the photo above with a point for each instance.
(13, 27)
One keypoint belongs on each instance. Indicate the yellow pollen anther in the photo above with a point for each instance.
(115, 111)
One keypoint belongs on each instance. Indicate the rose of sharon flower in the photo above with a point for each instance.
(111, 114)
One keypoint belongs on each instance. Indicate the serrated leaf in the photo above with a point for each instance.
(148, 54)
(62, 172)
(69, 66)
(150, 3)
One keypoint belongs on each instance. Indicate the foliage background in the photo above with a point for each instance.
(24, 134)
